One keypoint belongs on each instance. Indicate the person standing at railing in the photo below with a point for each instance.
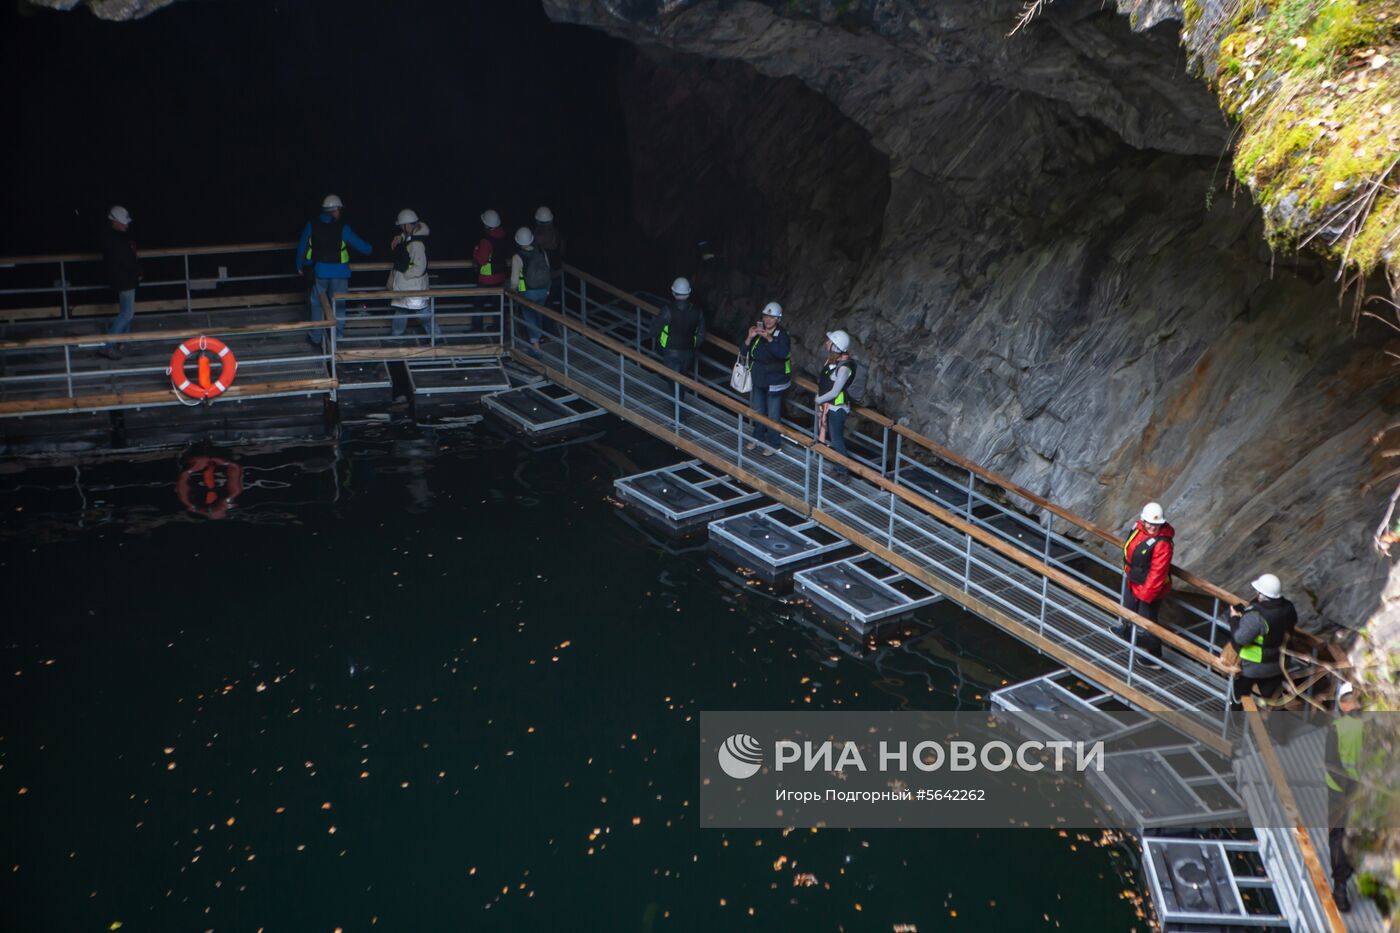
(410, 273)
(491, 258)
(1258, 633)
(679, 329)
(770, 355)
(833, 405)
(1147, 566)
(324, 248)
(529, 278)
(549, 239)
(123, 273)
(1344, 745)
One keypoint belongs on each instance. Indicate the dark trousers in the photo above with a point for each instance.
(1268, 686)
(1146, 641)
(1342, 869)
(683, 362)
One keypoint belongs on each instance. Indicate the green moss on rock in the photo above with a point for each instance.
(1315, 86)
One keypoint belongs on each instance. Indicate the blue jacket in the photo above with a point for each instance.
(772, 361)
(330, 270)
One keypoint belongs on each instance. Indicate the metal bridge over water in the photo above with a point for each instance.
(1042, 574)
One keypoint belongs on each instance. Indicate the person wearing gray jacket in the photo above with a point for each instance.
(1259, 631)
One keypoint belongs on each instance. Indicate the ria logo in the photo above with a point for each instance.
(740, 756)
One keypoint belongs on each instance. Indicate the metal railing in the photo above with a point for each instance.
(598, 352)
(73, 285)
(48, 375)
(456, 317)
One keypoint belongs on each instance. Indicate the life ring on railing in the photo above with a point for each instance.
(202, 388)
(216, 502)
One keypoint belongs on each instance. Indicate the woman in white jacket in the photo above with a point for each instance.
(410, 273)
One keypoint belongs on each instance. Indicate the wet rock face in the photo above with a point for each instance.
(1030, 241)
(108, 9)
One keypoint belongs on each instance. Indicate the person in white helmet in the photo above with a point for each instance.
(409, 273)
(549, 239)
(1344, 757)
(832, 404)
(529, 278)
(123, 273)
(679, 329)
(1259, 632)
(491, 252)
(1147, 565)
(769, 349)
(324, 251)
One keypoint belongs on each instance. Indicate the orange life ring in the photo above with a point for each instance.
(202, 387)
(216, 504)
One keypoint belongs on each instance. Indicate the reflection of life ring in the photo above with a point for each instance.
(216, 504)
(202, 387)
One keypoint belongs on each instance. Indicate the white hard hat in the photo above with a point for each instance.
(681, 287)
(1268, 586)
(407, 216)
(490, 218)
(332, 202)
(1152, 514)
(840, 340)
(120, 214)
(1345, 688)
(544, 215)
(523, 237)
(772, 309)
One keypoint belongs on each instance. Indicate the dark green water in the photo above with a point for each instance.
(440, 684)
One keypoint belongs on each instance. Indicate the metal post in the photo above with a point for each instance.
(564, 338)
(501, 330)
(816, 503)
(739, 439)
(1214, 620)
(884, 450)
(189, 305)
(1044, 580)
(889, 532)
(967, 561)
(583, 300)
(898, 454)
(334, 385)
(638, 338)
(68, 367)
(63, 286)
(1132, 651)
(622, 379)
(971, 482)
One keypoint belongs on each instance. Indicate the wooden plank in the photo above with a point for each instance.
(230, 302)
(159, 397)
(172, 336)
(1316, 874)
(463, 351)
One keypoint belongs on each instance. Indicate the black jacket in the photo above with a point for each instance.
(683, 325)
(119, 253)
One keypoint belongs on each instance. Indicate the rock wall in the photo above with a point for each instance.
(1031, 240)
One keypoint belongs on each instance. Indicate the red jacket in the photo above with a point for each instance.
(492, 248)
(1158, 582)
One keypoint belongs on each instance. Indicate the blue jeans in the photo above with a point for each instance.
(532, 317)
(424, 315)
(836, 433)
(126, 310)
(770, 404)
(333, 289)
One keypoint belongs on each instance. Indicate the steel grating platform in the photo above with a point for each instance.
(863, 592)
(774, 542)
(683, 498)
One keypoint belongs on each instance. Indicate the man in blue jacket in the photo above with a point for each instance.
(325, 246)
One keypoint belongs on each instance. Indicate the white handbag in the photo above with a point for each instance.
(741, 379)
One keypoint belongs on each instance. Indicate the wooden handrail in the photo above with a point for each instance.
(145, 397)
(232, 249)
(157, 336)
(922, 503)
(1316, 874)
(943, 453)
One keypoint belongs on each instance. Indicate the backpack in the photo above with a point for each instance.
(855, 386)
(535, 269)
